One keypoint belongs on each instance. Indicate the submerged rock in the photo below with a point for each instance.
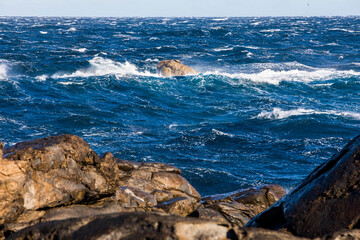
(325, 202)
(170, 68)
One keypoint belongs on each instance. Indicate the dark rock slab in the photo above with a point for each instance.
(325, 202)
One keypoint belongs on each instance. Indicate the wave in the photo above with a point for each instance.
(275, 77)
(101, 67)
(278, 113)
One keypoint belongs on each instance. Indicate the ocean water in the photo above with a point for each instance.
(276, 97)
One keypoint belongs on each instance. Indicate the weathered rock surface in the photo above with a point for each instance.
(240, 206)
(143, 226)
(325, 202)
(62, 177)
(170, 68)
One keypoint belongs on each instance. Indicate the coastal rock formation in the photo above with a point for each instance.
(240, 206)
(62, 177)
(171, 68)
(325, 202)
(143, 226)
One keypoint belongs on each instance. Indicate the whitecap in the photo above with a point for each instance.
(43, 32)
(71, 83)
(220, 19)
(220, 133)
(3, 70)
(72, 29)
(101, 67)
(275, 77)
(42, 78)
(223, 49)
(152, 60)
(80, 50)
(278, 113)
(271, 30)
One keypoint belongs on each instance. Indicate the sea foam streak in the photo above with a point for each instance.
(101, 67)
(278, 113)
(275, 77)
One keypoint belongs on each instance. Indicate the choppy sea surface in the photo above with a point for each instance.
(276, 97)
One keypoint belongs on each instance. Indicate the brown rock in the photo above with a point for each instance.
(325, 202)
(179, 206)
(133, 225)
(61, 177)
(133, 197)
(240, 206)
(141, 226)
(170, 68)
(176, 183)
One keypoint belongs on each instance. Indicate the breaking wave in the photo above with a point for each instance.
(278, 113)
(101, 67)
(275, 77)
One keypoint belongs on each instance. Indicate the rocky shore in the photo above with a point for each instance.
(59, 188)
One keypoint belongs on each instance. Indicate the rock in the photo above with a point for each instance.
(240, 206)
(133, 197)
(170, 68)
(136, 225)
(180, 206)
(61, 177)
(325, 202)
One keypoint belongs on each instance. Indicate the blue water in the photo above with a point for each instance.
(276, 97)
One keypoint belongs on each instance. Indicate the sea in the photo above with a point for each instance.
(275, 97)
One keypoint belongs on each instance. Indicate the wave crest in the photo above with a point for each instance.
(275, 77)
(101, 67)
(278, 113)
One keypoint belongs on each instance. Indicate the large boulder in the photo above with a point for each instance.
(240, 206)
(325, 202)
(170, 68)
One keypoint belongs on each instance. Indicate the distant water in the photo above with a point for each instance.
(276, 97)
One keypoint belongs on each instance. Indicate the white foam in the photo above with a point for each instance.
(43, 32)
(223, 49)
(220, 19)
(42, 78)
(278, 113)
(101, 67)
(81, 50)
(271, 30)
(3, 71)
(72, 29)
(220, 133)
(275, 77)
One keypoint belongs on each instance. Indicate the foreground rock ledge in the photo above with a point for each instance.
(61, 177)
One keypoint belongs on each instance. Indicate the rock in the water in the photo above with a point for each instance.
(170, 68)
(325, 202)
(141, 226)
(240, 206)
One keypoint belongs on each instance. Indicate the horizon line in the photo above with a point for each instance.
(264, 16)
